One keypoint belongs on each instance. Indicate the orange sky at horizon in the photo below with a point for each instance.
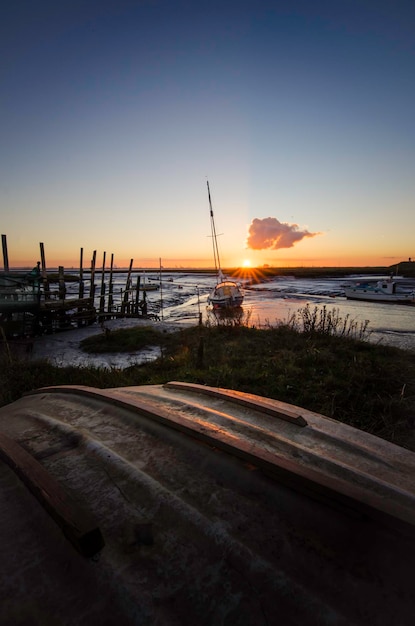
(320, 251)
(182, 264)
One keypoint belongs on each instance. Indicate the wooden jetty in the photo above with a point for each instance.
(37, 300)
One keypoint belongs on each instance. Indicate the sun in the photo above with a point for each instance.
(246, 263)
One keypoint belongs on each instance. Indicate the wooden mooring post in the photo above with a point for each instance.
(62, 286)
(111, 287)
(46, 286)
(125, 304)
(92, 285)
(81, 274)
(137, 296)
(5, 253)
(102, 292)
(81, 286)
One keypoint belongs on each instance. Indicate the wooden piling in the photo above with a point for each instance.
(46, 286)
(62, 286)
(92, 285)
(161, 291)
(81, 274)
(110, 286)
(137, 296)
(57, 309)
(81, 286)
(102, 293)
(5, 253)
(125, 304)
(61, 295)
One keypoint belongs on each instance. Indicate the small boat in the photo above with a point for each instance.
(379, 291)
(19, 292)
(226, 293)
(147, 286)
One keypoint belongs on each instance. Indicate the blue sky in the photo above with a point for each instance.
(115, 113)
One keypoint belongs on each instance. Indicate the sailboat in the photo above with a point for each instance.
(226, 293)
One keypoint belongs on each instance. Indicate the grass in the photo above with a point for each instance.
(127, 340)
(316, 360)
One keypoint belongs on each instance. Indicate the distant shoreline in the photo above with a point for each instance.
(406, 268)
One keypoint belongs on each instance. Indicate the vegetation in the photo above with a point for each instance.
(316, 360)
(125, 340)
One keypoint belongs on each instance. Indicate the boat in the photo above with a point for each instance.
(149, 287)
(19, 292)
(384, 290)
(226, 293)
(189, 504)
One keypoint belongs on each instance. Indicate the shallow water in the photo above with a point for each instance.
(277, 300)
(391, 324)
(182, 300)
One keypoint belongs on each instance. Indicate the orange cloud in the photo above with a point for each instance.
(270, 233)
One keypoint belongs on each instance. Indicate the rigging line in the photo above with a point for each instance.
(214, 236)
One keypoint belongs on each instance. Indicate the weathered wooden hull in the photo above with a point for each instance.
(215, 506)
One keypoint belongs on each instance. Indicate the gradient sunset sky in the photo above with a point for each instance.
(115, 113)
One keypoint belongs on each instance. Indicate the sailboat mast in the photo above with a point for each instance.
(214, 237)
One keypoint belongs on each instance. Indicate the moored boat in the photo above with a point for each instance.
(19, 292)
(385, 290)
(226, 293)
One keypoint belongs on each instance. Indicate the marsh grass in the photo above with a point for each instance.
(322, 321)
(125, 340)
(317, 361)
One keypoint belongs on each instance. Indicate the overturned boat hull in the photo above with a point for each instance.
(214, 506)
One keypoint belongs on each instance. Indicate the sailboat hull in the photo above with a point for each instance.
(226, 294)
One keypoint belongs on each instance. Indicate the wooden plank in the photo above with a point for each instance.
(56, 305)
(76, 523)
(249, 401)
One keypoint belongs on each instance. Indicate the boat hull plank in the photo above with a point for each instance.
(76, 523)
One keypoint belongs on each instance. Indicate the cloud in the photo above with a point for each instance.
(271, 233)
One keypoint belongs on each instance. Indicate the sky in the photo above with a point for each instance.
(114, 114)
